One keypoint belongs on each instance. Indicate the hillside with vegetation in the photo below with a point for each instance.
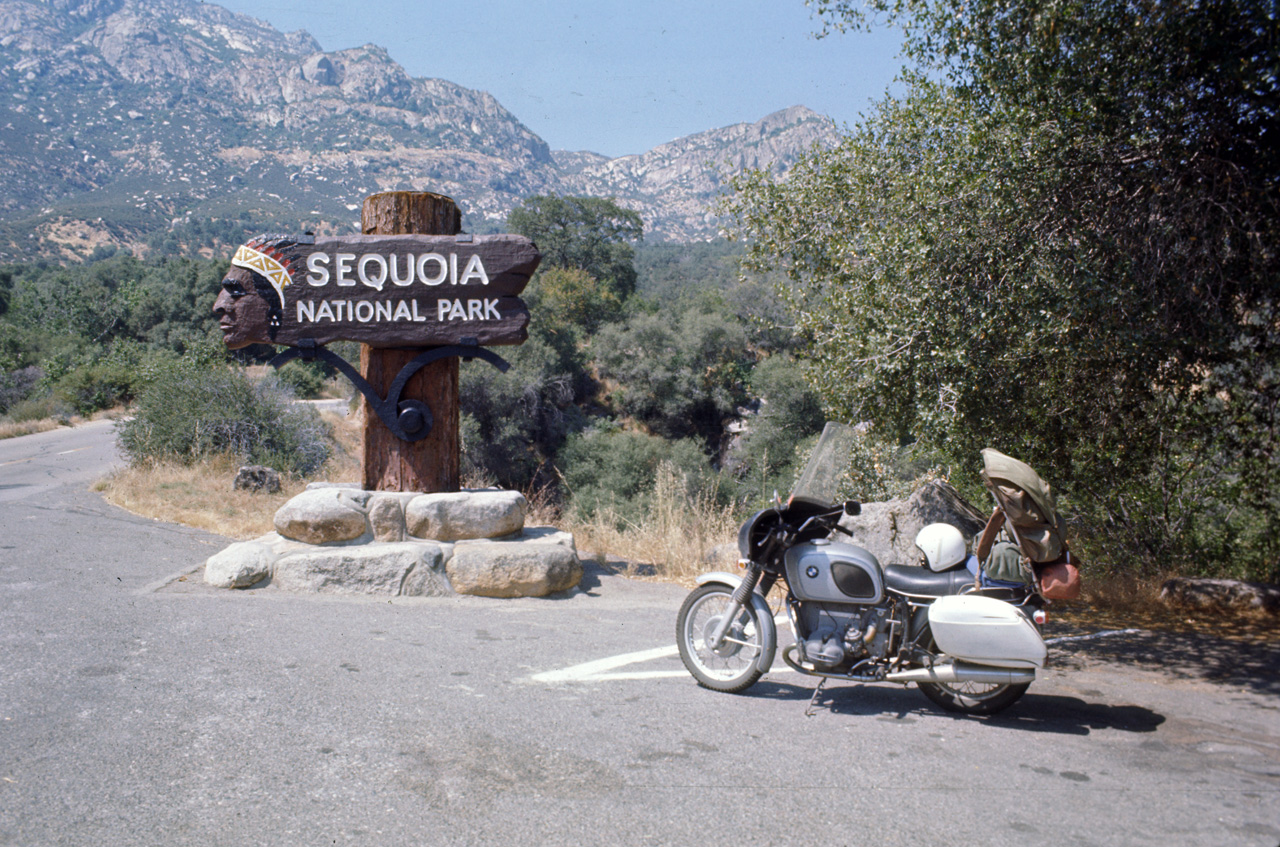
(177, 127)
(640, 357)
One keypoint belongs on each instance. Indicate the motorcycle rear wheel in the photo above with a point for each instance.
(971, 698)
(731, 668)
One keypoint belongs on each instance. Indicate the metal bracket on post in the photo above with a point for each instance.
(408, 420)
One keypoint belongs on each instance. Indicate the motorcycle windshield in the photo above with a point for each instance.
(828, 464)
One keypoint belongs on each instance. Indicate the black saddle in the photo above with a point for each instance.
(922, 582)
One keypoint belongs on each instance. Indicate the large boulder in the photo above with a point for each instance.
(394, 570)
(386, 515)
(466, 514)
(888, 529)
(539, 563)
(324, 516)
(239, 566)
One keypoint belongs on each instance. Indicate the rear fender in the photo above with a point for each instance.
(764, 617)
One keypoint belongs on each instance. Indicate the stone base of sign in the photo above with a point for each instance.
(334, 539)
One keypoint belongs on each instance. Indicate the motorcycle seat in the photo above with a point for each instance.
(922, 582)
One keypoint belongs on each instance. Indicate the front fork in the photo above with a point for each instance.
(739, 600)
(741, 597)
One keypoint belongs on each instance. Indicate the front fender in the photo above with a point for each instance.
(764, 617)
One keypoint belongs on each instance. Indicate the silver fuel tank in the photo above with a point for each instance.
(834, 572)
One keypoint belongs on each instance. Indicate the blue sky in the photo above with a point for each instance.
(614, 78)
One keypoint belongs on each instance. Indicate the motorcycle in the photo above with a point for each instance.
(968, 645)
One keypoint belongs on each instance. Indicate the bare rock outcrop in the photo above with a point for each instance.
(888, 529)
(1221, 594)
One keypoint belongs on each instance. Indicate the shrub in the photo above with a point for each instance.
(617, 471)
(513, 422)
(194, 408)
(680, 375)
(40, 408)
(104, 381)
(17, 385)
(790, 414)
(306, 379)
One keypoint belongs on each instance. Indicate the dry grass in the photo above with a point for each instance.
(15, 429)
(674, 543)
(201, 496)
(198, 495)
(1119, 602)
(10, 429)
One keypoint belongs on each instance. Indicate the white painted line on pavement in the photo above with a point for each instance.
(598, 671)
(593, 670)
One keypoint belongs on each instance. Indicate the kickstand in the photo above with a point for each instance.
(817, 692)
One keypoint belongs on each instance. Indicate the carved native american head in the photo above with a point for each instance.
(250, 307)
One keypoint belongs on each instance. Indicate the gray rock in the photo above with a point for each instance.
(547, 534)
(466, 515)
(386, 515)
(402, 569)
(323, 516)
(1220, 594)
(257, 478)
(518, 568)
(239, 566)
(889, 529)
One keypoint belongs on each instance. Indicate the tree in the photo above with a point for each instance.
(591, 234)
(679, 375)
(1060, 242)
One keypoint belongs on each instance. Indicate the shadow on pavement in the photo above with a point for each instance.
(1247, 664)
(1034, 712)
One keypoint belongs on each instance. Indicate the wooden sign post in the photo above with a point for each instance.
(416, 293)
(432, 464)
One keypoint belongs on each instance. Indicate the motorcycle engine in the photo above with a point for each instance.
(842, 636)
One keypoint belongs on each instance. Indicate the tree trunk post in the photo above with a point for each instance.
(432, 464)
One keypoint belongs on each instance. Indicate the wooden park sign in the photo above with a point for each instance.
(386, 291)
(416, 293)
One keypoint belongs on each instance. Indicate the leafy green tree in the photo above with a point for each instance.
(591, 234)
(680, 375)
(790, 412)
(1059, 241)
(572, 301)
(513, 423)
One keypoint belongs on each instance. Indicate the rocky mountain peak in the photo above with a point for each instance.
(128, 117)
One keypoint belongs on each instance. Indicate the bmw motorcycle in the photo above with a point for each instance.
(968, 648)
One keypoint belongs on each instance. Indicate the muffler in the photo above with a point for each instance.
(954, 673)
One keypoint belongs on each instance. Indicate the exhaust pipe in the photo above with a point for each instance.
(954, 673)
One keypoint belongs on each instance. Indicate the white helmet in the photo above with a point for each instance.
(943, 546)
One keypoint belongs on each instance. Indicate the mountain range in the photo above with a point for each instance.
(178, 125)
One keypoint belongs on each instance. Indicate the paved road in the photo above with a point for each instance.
(139, 707)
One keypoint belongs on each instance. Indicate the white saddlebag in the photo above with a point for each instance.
(985, 631)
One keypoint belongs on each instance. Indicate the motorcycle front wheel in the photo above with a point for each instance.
(732, 667)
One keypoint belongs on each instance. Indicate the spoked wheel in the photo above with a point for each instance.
(972, 698)
(732, 667)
